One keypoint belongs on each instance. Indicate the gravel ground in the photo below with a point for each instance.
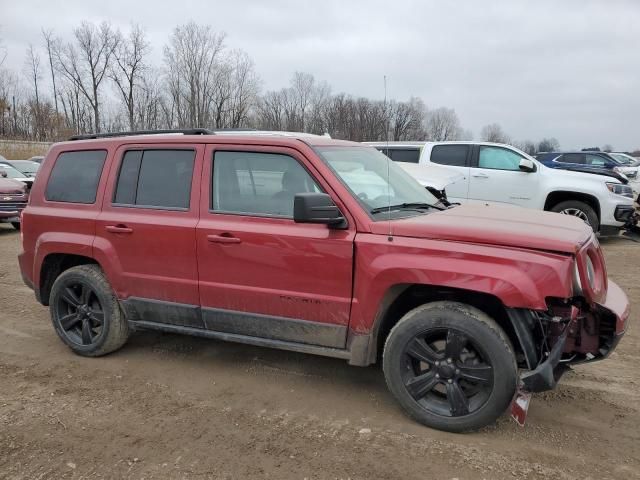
(168, 406)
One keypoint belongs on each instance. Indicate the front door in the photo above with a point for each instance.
(261, 274)
(495, 177)
(148, 227)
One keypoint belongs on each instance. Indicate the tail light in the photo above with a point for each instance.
(592, 272)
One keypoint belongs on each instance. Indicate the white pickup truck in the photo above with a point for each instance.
(501, 174)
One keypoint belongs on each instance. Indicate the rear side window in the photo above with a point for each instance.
(75, 177)
(155, 178)
(454, 155)
(573, 158)
(596, 160)
(409, 155)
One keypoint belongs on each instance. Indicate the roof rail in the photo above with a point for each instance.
(184, 131)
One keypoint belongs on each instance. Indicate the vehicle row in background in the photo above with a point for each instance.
(595, 162)
(13, 199)
(502, 174)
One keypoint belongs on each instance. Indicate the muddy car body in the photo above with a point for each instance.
(275, 241)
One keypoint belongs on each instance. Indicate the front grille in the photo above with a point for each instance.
(12, 206)
(11, 195)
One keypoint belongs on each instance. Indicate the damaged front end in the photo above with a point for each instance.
(584, 328)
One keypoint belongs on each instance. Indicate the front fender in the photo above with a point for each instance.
(519, 278)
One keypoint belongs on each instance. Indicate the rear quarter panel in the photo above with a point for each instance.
(59, 227)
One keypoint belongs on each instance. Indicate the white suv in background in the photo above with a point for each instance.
(501, 174)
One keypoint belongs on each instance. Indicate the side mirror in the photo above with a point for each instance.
(317, 208)
(527, 165)
(3, 174)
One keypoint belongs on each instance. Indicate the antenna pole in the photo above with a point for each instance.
(386, 128)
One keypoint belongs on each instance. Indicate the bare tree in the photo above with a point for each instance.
(193, 60)
(32, 72)
(442, 124)
(245, 87)
(607, 148)
(49, 42)
(494, 133)
(128, 67)
(86, 62)
(548, 145)
(527, 146)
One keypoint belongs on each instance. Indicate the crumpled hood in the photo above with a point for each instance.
(432, 175)
(495, 225)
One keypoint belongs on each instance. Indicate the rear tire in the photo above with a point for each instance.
(85, 312)
(579, 209)
(450, 366)
(16, 225)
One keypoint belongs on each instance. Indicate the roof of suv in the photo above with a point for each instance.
(248, 137)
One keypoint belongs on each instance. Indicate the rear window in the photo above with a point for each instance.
(409, 155)
(75, 177)
(155, 178)
(454, 155)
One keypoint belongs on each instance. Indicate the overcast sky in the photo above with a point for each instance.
(569, 69)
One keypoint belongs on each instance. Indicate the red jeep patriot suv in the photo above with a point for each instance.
(321, 246)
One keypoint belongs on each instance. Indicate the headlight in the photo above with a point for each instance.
(591, 273)
(620, 189)
(577, 286)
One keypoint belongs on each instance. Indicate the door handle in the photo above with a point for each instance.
(118, 229)
(480, 175)
(223, 238)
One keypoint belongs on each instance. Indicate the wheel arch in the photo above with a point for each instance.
(400, 299)
(52, 266)
(555, 197)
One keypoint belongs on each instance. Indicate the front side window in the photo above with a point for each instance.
(454, 155)
(498, 158)
(253, 183)
(75, 177)
(155, 178)
(377, 182)
(596, 160)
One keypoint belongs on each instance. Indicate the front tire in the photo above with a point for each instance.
(450, 366)
(85, 312)
(579, 209)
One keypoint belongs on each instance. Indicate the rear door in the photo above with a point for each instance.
(262, 274)
(496, 178)
(457, 157)
(147, 227)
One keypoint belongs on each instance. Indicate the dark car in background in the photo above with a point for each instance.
(588, 160)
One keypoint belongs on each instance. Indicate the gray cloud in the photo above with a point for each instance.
(567, 69)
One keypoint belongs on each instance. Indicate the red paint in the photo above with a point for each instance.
(274, 266)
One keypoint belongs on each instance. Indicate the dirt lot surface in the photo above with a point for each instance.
(168, 406)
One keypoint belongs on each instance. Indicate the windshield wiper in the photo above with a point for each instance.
(406, 206)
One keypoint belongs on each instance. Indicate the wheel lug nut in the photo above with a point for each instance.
(449, 360)
(450, 381)
(437, 375)
(437, 363)
(457, 371)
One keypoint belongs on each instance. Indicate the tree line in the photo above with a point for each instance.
(103, 79)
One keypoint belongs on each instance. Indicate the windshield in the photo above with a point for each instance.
(364, 171)
(27, 167)
(10, 171)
